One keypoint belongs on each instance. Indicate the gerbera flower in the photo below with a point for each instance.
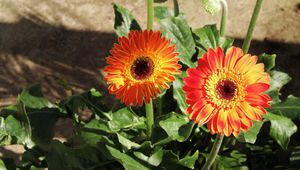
(140, 66)
(226, 91)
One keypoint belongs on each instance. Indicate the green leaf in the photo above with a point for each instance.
(128, 162)
(209, 37)
(93, 100)
(32, 109)
(251, 135)
(178, 30)
(128, 144)
(30, 119)
(36, 168)
(282, 128)
(189, 161)
(32, 97)
(124, 21)
(171, 161)
(212, 6)
(95, 93)
(268, 60)
(278, 80)
(62, 157)
(178, 93)
(12, 127)
(176, 126)
(155, 159)
(233, 162)
(95, 131)
(126, 119)
(289, 108)
(2, 165)
(162, 12)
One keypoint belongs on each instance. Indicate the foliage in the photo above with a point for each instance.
(115, 138)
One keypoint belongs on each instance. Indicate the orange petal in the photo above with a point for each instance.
(247, 110)
(206, 113)
(235, 133)
(222, 120)
(264, 78)
(212, 124)
(234, 120)
(233, 54)
(196, 109)
(245, 63)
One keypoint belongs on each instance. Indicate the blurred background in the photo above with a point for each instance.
(62, 44)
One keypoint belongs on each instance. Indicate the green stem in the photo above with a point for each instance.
(150, 118)
(150, 14)
(224, 17)
(213, 153)
(176, 8)
(255, 14)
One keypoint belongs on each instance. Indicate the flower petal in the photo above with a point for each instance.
(257, 88)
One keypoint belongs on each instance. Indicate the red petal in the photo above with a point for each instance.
(194, 72)
(194, 82)
(258, 100)
(257, 88)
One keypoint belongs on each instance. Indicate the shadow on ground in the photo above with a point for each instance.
(34, 51)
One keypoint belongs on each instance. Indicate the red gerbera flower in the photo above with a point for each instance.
(226, 91)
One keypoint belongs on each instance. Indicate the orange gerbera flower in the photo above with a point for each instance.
(227, 91)
(140, 66)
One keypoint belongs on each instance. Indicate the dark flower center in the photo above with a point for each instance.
(142, 68)
(226, 89)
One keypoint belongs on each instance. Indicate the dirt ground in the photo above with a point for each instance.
(65, 42)
(55, 42)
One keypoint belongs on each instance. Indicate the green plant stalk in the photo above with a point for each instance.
(149, 106)
(176, 8)
(214, 152)
(150, 118)
(224, 17)
(150, 14)
(251, 26)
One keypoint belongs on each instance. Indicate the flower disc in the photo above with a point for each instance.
(140, 66)
(226, 91)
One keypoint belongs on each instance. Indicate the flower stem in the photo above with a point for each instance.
(224, 17)
(150, 118)
(176, 8)
(213, 153)
(150, 14)
(251, 26)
